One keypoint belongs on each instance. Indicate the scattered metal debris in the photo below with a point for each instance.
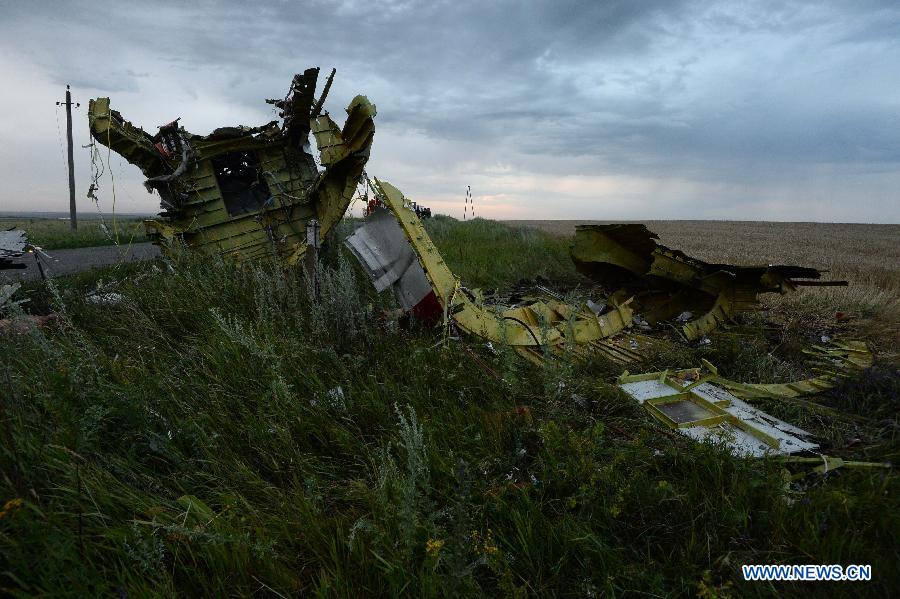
(697, 402)
(13, 245)
(670, 285)
(703, 405)
(551, 324)
(839, 359)
(247, 192)
(544, 325)
(702, 410)
(253, 192)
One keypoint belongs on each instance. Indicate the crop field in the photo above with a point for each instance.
(221, 431)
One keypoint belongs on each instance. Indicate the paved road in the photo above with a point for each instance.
(66, 262)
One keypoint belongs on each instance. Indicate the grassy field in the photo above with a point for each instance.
(54, 234)
(220, 432)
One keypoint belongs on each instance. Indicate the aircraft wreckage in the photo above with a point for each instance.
(398, 253)
(668, 284)
(252, 192)
(14, 247)
(248, 192)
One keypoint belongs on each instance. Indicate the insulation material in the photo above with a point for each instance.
(389, 261)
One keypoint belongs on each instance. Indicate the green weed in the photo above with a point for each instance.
(224, 431)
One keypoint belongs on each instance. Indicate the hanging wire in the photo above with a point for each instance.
(98, 169)
(97, 173)
(112, 180)
(62, 155)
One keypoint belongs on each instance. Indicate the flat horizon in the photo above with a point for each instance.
(94, 216)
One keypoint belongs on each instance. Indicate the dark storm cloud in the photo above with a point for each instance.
(719, 93)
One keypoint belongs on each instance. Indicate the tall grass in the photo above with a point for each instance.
(223, 431)
(486, 253)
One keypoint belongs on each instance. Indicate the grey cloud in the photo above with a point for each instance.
(723, 91)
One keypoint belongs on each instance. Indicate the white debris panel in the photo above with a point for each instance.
(704, 411)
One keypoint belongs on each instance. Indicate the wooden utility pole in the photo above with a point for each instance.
(73, 221)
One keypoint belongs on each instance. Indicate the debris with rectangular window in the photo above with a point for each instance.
(241, 182)
(248, 192)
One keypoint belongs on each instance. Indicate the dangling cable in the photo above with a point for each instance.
(112, 179)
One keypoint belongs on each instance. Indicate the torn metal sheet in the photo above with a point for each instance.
(702, 410)
(13, 245)
(6, 293)
(548, 324)
(670, 285)
(247, 192)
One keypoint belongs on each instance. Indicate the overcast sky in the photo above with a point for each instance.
(565, 109)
